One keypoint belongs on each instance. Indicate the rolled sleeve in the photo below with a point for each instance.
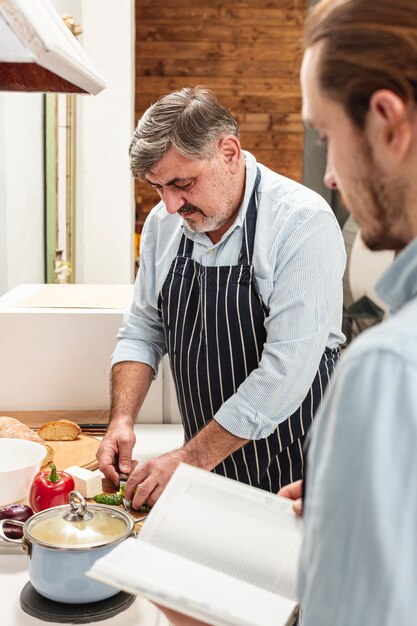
(130, 347)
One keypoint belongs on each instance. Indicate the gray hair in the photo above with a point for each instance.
(190, 120)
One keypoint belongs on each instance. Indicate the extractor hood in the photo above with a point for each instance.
(38, 52)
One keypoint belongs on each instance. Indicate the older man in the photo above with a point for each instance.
(240, 281)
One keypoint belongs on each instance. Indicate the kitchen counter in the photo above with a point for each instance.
(151, 441)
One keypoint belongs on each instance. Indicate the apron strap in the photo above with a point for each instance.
(185, 248)
(248, 238)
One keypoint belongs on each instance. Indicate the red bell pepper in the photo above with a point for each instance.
(50, 488)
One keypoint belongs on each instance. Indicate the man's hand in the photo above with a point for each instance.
(115, 451)
(152, 477)
(294, 491)
(209, 447)
(178, 619)
(130, 382)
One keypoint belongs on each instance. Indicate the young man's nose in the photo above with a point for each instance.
(329, 179)
(173, 199)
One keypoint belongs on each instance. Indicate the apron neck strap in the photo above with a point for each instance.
(186, 247)
(249, 227)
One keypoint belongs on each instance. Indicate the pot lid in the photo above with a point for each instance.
(78, 526)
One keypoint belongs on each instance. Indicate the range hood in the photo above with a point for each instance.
(38, 52)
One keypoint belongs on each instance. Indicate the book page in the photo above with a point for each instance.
(238, 530)
(193, 589)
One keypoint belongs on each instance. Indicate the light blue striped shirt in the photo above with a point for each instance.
(299, 260)
(359, 556)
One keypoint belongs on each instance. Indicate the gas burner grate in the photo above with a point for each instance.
(36, 605)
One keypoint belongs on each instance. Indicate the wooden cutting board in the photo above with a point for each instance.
(82, 451)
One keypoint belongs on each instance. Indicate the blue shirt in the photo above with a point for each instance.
(359, 556)
(298, 260)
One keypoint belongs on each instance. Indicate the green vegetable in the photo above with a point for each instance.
(145, 508)
(109, 498)
(115, 499)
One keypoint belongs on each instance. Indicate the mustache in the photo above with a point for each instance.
(186, 208)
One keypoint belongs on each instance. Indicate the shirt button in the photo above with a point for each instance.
(210, 250)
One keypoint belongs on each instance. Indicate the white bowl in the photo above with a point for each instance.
(20, 460)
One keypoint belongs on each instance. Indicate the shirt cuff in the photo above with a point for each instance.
(137, 351)
(242, 420)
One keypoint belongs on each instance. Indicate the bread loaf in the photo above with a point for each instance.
(60, 430)
(10, 427)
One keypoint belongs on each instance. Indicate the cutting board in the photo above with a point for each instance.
(81, 451)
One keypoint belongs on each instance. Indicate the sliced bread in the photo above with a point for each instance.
(59, 430)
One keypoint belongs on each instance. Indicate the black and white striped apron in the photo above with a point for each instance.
(213, 320)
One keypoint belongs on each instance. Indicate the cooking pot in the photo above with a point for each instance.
(63, 543)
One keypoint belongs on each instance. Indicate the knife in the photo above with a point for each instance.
(122, 484)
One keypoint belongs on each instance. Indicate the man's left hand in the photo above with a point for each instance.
(152, 477)
(294, 491)
(207, 449)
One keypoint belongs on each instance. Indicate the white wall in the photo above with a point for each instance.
(105, 202)
(3, 202)
(21, 190)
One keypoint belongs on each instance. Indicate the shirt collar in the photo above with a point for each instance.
(398, 284)
(251, 169)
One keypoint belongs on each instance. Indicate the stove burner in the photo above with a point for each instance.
(36, 605)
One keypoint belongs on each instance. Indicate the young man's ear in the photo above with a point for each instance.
(230, 149)
(390, 123)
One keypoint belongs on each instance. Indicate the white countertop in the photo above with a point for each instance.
(151, 440)
(13, 577)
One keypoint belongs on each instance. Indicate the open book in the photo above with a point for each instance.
(215, 549)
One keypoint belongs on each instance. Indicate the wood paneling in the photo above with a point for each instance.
(247, 51)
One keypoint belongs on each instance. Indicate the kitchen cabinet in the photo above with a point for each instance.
(57, 341)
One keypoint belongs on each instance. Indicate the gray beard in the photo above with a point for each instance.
(207, 225)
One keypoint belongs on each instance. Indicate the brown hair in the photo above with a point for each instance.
(369, 45)
(190, 120)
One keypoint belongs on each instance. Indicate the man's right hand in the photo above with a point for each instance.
(130, 382)
(294, 491)
(115, 451)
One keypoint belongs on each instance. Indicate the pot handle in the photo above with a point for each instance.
(22, 542)
(15, 523)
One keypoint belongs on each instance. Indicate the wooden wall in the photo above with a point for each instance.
(247, 51)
